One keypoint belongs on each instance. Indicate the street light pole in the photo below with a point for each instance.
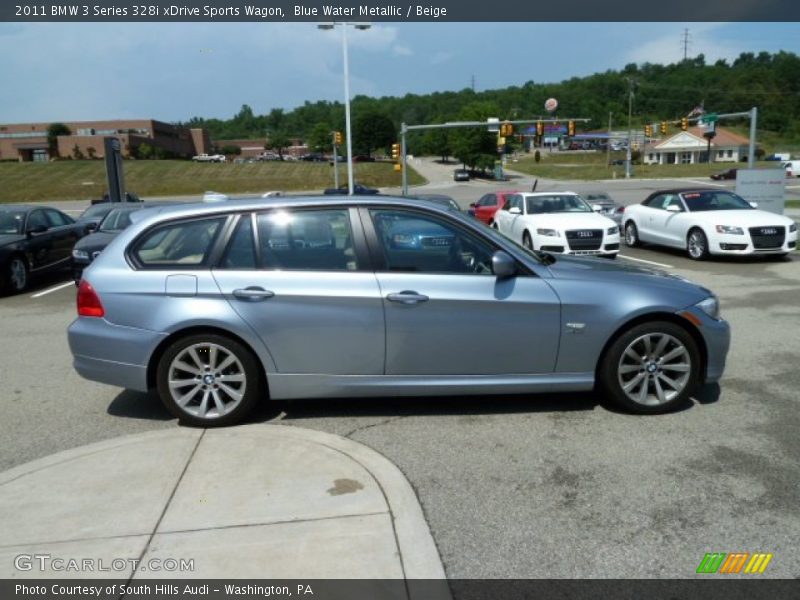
(630, 131)
(348, 129)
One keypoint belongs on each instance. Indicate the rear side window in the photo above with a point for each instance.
(57, 219)
(308, 240)
(187, 243)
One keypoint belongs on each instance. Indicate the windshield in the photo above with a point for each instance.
(714, 200)
(11, 221)
(117, 220)
(562, 203)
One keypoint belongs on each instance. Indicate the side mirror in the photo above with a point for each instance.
(673, 209)
(37, 229)
(503, 265)
(597, 208)
(515, 210)
(754, 204)
(91, 227)
(472, 205)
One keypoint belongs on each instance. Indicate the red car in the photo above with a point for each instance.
(484, 209)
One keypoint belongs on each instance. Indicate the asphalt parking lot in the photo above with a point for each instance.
(554, 485)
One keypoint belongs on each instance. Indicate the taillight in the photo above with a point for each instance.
(621, 209)
(89, 304)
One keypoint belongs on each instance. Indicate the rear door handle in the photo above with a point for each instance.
(407, 297)
(253, 293)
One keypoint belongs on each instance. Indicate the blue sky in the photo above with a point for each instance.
(173, 71)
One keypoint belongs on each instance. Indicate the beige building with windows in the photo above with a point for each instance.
(689, 147)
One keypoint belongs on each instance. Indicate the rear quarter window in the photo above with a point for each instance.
(184, 243)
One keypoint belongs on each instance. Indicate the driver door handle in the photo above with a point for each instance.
(407, 297)
(253, 293)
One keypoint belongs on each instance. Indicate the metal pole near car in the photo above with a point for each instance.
(751, 151)
(404, 159)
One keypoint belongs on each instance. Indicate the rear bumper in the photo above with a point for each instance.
(112, 354)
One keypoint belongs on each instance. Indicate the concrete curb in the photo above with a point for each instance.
(405, 534)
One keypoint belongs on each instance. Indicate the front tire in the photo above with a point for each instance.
(697, 245)
(208, 380)
(651, 368)
(631, 235)
(527, 241)
(16, 275)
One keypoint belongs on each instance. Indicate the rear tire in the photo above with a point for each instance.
(631, 235)
(208, 380)
(651, 368)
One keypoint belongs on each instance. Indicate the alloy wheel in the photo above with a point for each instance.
(18, 274)
(207, 380)
(654, 369)
(630, 234)
(697, 245)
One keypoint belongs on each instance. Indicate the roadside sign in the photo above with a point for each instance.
(494, 124)
(766, 187)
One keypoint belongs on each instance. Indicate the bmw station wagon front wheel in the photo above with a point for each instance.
(208, 380)
(653, 368)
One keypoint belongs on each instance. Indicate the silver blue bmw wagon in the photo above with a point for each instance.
(220, 306)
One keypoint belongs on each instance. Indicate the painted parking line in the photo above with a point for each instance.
(53, 289)
(708, 183)
(649, 262)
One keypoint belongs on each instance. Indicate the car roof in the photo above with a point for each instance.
(539, 194)
(258, 203)
(26, 207)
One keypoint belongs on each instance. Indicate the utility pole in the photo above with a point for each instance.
(685, 43)
(608, 141)
(472, 82)
(630, 130)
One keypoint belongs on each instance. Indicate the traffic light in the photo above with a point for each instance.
(663, 128)
(506, 130)
(337, 138)
(539, 128)
(395, 151)
(648, 131)
(570, 128)
(684, 123)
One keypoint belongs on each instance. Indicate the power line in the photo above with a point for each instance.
(685, 42)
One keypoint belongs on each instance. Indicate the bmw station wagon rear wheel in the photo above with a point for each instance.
(208, 380)
(652, 368)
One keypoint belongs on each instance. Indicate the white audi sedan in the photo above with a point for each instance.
(558, 222)
(708, 221)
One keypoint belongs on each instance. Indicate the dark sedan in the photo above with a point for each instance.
(440, 199)
(726, 174)
(34, 240)
(116, 220)
(461, 175)
(358, 190)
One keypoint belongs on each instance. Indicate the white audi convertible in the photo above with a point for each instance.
(708, 221)
(557, 222)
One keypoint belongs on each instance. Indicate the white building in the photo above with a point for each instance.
(689, 147)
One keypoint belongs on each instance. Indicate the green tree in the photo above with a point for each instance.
(436, 142)
(476, 147)
(76, 153)
(320, 139)
(278, 141)
(144, 151)
(91, 152)
(54, 131)
(372, 130)
(230, 149)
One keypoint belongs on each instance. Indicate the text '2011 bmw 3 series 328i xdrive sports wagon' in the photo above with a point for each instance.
(221, 306)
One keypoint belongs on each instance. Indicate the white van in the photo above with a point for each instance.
(792, 168)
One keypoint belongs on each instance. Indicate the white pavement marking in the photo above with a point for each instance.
(53, 289)
(649, 262)
(708, 183)
(72, 210)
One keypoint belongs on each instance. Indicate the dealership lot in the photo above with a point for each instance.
(517, 486)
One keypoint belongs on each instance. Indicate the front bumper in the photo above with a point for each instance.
(742, 245)
(112, 354)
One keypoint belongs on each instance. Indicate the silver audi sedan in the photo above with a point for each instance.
(221, 306)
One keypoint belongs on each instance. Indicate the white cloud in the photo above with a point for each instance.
(668, 47)
(402, 51)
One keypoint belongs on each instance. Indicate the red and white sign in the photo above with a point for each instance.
(550, 105)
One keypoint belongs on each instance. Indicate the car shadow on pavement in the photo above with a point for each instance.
(138, 405)
(435, 405)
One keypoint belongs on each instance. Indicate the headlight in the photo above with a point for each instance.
(710, 306)
(792, 227)
(612, 231)
(80, 254)
(730, 229)
(548, 232)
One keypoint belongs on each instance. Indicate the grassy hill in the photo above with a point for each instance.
(86, 179)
